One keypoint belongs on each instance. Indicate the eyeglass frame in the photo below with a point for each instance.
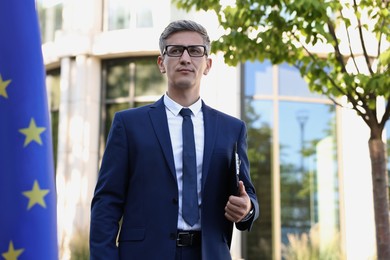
(185, 48)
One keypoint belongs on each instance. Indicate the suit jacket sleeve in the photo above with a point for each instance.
(109, 196)
(245, 177)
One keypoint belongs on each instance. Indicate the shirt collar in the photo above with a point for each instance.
(175, 107)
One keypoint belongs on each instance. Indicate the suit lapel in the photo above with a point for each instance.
(158, 117)
(210, 119)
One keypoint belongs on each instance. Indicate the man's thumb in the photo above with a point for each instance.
(241, 188)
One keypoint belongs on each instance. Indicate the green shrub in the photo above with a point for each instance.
(309, 247)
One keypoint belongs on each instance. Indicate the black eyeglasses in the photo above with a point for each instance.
(178, 50)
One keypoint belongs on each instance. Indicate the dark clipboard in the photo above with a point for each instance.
(234, 172)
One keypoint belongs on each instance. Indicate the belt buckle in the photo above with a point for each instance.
(184, 239)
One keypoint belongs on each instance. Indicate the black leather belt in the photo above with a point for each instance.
(188, 238)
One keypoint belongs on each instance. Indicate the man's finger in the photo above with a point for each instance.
(241, 188)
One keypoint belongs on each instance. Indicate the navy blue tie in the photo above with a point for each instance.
(190, 193)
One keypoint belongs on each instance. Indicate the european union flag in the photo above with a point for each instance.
(28, 226)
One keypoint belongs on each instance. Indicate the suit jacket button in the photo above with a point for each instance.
(174, 200)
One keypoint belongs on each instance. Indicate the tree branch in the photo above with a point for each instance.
(337, 51)
(314, 59)
(385, 6)
(340, 59)
(349, 44)
(386, 115)
(350, 97)
(355, 7)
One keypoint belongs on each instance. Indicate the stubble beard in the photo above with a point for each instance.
(183, 84)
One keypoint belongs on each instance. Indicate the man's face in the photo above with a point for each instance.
(184, 72)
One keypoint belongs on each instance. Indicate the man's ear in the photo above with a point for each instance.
(209, 63)
(160, 63)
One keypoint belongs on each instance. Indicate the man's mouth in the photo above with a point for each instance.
(184, 70)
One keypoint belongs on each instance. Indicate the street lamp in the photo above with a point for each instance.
(302, 117)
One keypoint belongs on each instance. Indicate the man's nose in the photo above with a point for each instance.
(185, 56)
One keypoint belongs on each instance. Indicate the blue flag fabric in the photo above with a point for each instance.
(28, 225)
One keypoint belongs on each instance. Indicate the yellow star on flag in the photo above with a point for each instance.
(12, 254)
(36, 196)
(3, 86)
(32, 133)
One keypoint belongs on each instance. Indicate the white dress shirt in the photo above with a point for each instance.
(175, 130)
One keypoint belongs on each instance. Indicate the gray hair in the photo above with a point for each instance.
(180, 26)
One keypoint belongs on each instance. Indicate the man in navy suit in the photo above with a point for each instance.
(140, 182)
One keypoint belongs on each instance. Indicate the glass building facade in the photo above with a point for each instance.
(292, 149)
(293, 134)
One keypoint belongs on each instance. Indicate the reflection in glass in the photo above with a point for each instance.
(308, 170)
(111, 109)
(119, 14)
(148, 78)
(124, 14)
(144, 17)
(133, 77)
(302, 117)
(258, 117)
(292, 84)
(258, 78)
(50, 18)
(118, 79)
(307, 158)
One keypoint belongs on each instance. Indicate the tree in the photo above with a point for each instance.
(354, 61)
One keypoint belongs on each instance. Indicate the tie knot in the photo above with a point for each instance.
(185, 112)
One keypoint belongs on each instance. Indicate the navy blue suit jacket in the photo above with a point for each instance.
(137, 182)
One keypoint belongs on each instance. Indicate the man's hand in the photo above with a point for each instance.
(238, 207)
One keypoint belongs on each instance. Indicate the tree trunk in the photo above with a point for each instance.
(381, 197)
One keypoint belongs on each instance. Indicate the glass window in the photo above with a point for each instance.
(307, 163)
(144, 16)
(50, 18)
(148, 78)
(258, 78)
(308, 173)
(119, 14)
(53, 91)
(110, 112)
(118, 79)
(124, 14)
(292, 84)
(259, 119)
(130, 83)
